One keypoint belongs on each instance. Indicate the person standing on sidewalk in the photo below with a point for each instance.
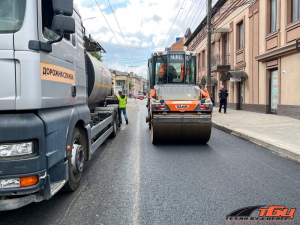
(223, 94)
(122, 107)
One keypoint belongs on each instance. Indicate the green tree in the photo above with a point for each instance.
(130, 85)
(97, 55)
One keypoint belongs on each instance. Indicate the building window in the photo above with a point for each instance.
(225, 49)
(273, 16)
(199, 62)
(295, 10)
(203, 59)
(225, 44)
(240, 35)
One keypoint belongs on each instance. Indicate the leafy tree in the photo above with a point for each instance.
(97, 55)
(130, 85)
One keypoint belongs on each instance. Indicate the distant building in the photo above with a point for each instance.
(120, 81)
(138, 83)
(177, 46)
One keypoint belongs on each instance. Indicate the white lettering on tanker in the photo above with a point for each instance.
(55, 73)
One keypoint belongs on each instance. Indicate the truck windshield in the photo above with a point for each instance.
(11, 15)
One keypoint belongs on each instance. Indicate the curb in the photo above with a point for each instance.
(270, 147)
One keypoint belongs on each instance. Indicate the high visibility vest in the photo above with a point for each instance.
(182, 72)
(204, 94)
(122, 102)
(161, 71)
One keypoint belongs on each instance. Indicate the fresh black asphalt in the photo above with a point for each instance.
(131, 181)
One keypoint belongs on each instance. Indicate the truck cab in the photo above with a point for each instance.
(20, 23)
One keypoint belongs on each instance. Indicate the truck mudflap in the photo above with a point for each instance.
(15, 203)
(181, 128)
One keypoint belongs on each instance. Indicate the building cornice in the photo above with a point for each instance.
(286, 50)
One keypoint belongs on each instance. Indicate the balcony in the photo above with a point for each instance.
(220, 63)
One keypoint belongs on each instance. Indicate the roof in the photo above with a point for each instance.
(119, 73)
(214, 10)
(91, 45)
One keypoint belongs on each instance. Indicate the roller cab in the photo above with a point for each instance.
(178, 111)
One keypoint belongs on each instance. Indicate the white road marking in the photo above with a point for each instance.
(136, 208)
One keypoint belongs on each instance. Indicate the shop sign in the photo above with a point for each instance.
(235, 79)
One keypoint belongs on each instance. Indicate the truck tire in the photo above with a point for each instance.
(115, 124)
(75, 160)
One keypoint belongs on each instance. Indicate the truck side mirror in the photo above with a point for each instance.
(64, 24)
(64, 7)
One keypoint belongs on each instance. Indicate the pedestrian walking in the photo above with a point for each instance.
(122, 107)
(223, 94)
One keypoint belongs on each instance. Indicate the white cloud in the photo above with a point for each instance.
(144, 24)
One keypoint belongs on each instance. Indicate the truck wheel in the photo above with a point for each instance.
(75, 161)
(114, 125)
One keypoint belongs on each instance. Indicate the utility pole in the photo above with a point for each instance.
(208, 61)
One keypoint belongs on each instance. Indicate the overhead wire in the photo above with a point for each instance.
(128, 46)
(110, 28)
(173, 23)
(120, 29)
(183, 20)
(197, 16)
(189, 21)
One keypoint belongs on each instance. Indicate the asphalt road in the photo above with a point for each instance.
(131, 181)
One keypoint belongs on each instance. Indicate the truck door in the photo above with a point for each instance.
(62, 70)
(11, 20)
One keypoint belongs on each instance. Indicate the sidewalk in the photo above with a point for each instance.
(278, 134)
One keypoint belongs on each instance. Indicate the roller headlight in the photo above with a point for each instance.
(18, 149)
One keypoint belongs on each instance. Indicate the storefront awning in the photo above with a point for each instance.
(213, 80)
(233, 73)
(217, 32)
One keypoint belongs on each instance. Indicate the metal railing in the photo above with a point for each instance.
(218, 60)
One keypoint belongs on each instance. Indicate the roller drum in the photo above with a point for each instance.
(198, 133)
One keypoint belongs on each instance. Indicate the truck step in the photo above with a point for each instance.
(55, 187)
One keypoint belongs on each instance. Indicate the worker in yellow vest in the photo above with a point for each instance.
(182, 73)
(122, 106)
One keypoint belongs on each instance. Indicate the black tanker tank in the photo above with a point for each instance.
(99, 81)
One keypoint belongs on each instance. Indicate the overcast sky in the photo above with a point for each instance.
(130, 30)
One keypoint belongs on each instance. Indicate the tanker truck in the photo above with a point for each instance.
(178, 110)
(54, 111)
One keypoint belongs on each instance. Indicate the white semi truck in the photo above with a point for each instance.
(54, 111)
